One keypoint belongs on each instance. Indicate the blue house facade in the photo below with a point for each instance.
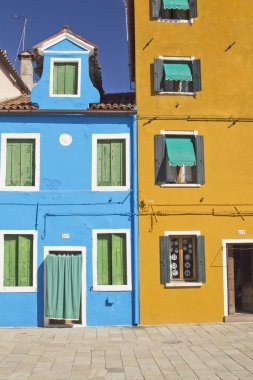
(68, 196)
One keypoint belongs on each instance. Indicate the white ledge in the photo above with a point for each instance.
(181, 185)
(183, 284)
(177, 93)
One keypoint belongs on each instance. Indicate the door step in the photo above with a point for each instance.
(239, 317)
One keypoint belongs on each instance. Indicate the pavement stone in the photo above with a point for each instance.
(174, 352)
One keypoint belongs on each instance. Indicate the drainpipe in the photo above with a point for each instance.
(135, 226)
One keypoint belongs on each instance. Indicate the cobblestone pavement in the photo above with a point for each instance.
(206, 351)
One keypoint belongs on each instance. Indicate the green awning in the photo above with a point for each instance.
(176, 4)
(180, 151)
(177, 71)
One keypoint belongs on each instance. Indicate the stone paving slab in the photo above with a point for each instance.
(173, 352)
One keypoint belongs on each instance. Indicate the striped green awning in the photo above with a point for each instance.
(180, 151)
(176, 4)
(177, 71)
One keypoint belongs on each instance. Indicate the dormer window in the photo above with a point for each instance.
(65, 77)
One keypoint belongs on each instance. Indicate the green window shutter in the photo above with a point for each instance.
(10, 260)
(103, 163)
(201, 268)
(25, 260)
(104, 275)
(193, 8)
(160, 159)
(196, 75)
(118, 163)
(71, 70)
(59, 78)
(20, 162)
(111, 163)
(119, 265)
(158, 75)
(200, 168)
(156, 8)
(164, 259)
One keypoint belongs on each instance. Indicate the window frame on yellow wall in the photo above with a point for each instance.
(182, 283)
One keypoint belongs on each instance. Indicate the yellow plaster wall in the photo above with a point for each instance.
(227, 84)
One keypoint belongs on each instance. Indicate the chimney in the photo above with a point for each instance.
(26, 67)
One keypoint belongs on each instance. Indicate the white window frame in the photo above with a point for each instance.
(179, 133)
(182, 284)
(51, 86)
(20, 136)
(68, 249)
(19, 289)
(186, 59)
(114, 136)
(111, 288)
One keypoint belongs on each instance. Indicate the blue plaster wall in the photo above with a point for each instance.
(66, 204)
(40, 93)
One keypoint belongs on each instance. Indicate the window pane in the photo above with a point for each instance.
(20, 162)
(65, 78)
(18, 260)
(188, 257)
(175, 258)
(111, 163)
(111, 259)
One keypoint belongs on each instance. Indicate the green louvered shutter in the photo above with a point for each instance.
(25, 260)
(200, 162)
(20, 162)
(59, 78)
(119, 271)
(10, 260)
(160, 159)
(118, 165)
(111, 163)
(193, 8)
(104, 259)
(71, 78)
(104, 163)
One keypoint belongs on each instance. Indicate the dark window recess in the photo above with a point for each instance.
(159, 10)
(182, 258)
(163, 79)
(165, 173)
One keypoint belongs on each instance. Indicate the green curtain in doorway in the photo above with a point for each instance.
(63, 286)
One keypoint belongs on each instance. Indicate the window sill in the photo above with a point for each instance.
(64, 96)
(18, 289)
(24, 189)
(180, 185)
(112, 288)
(183, 285)
(177, 93)
(111, 188)
(176, 21)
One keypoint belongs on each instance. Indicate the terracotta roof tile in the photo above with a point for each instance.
(123, 101)
(21, 102)
(4, 58)
(110, 102)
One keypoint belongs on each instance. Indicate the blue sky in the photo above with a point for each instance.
(99, 21)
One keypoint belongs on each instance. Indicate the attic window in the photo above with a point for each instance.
(65, 78)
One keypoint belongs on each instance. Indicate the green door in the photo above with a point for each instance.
(63, 285)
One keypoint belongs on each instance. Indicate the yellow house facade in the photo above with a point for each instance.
(193, 74)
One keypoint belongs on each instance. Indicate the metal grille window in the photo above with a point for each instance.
(182, 259)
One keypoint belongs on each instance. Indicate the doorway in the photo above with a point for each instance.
(64, 286)
(240, 278)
